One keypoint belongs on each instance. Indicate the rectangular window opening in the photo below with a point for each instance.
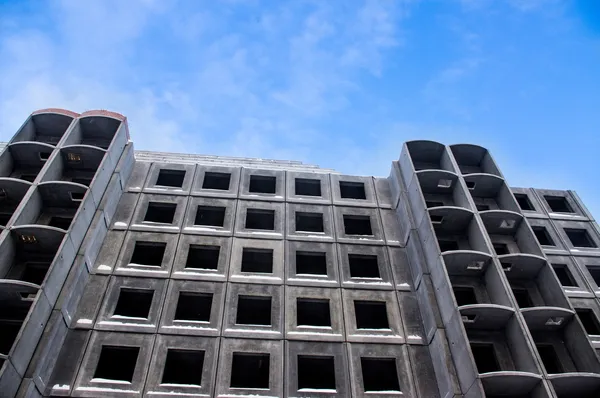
(213, 216)
(564, 275)
(379, 374)
(60, 222)
(250, 370)
(313, 312)
(307, 187)
(542, 235)
(117, 363)
(311, 263)
(371, 315)
(160, 212)
(193, 306)
(134, 303)
(254, 310)
(524, 202)
(447, 245)
(309, 222)
(465, 295)
(257, 260)
(549, 358)
(316, 372)
(35, 272)
(357, 225)
(579, 238)
(263, 184)
(170, 178)
(594, 271)
(589, 320)
(183, 367)
(501, 248)
(558, 204)
(148, 253)
(260, 219)
(217, 181)
(203, 257)
(485, 357)
(363, 266)
(522, 296)
(352, 190)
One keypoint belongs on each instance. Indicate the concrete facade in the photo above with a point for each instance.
(130, 274)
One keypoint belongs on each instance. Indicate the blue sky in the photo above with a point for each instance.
(337, 83)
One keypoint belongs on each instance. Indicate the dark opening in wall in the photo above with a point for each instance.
(183, 367)
(28, 177)
(522, 296)
(316, 372)
(257, 260)
(210, 215)
(60, 222)
(564, 275)
(249, 370)
(194, 306)
(436, 219)
(160, 212)
(8, 333)
(260, 219)
(313, 312)
(549, 358)
(579, 238)
(357, 225)
(589, 320)
(542, 235)
(117, 363)
(371, 315)
(379, 374)
(35, 271)
(77, 196)
(500, 248)
(311, 263)
(44, 156)
(595, 273)
(482, 207)
(309, 222)
(170, 178)
(218, 181)
(82, 180)
(352, 190)
(263, 184)
(134, 303)
(558, 204)
(447, 245)
(148, 253)
(470, 184)
(524, 202)
(203, 257)
(485, 357)
(431, 203)
(253, 310)
(5, 218)
(465, 295)
(363, 266)
(307, 187)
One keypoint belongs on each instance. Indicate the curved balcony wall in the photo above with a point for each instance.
(45, 126)
(94, 130)
(514, 384)
(12, 191)
(490, 192)
(473, 159)
(24, 160)
(576, 385)
(509, 233)
(424, 155)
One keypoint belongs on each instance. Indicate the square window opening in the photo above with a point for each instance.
(447, 245)
(148, 253)
(203, 257)
(162, 213)
(371, 315)
(363, 266)
(313, 312)
(524, 202)
(35, 272)
(217, 181)
(307, 187)
(501, 249)
(183, 367)
(134, 303)
(254, 310)
(550, 358)
(213, 216)
(594, 271)
(543, 237)
(249, 370)
(257, 260)
(564, 275)
(263, 184)
(309, 222)
(117, 363)
(523, 298)
(352, 190)
(311, 263)
(193, 306)
(558, 204)
(316, 372)
(485, 357)
(580, 238)
(170, 178)
(260, 219)
(60, 222)
(379, 374)
(465, 295)
(589, 320)
(357, 225)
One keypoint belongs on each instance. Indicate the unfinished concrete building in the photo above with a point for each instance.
(130, 274)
